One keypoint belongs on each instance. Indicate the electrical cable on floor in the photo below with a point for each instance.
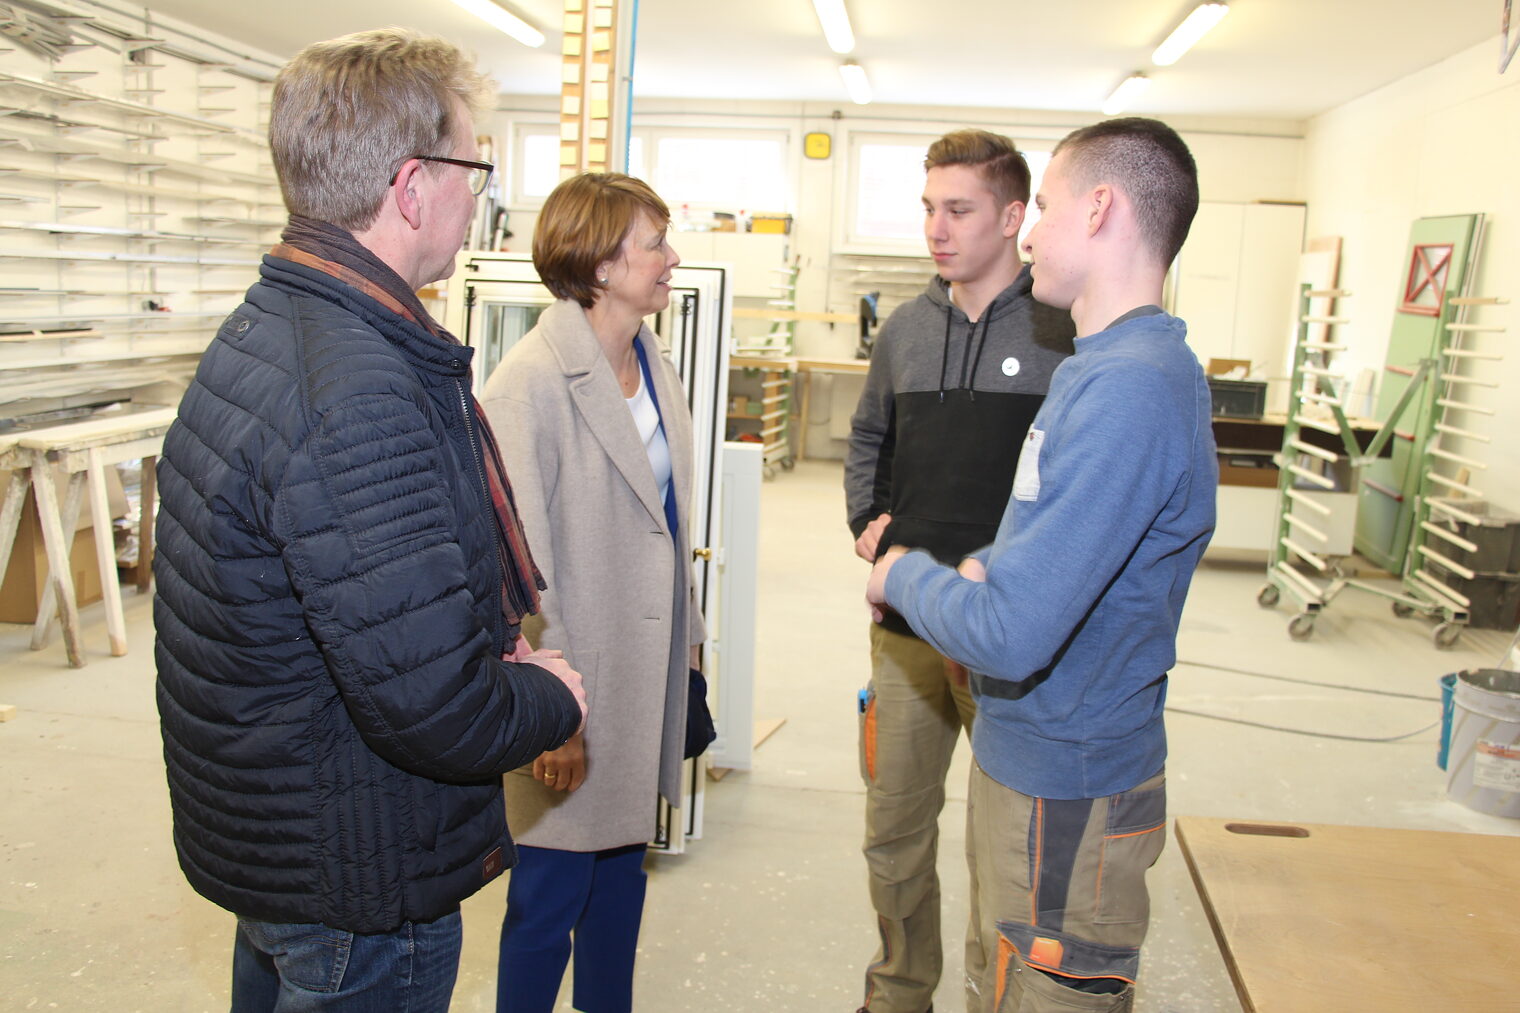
(1310, 682)
(1300, 731)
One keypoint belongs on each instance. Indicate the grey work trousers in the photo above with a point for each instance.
(1058, 896)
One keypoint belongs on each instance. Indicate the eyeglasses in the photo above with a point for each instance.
(480, 172)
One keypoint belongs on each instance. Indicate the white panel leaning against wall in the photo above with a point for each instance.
(136, 196)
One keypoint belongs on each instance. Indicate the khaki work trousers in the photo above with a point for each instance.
(912, 717)
(1058, 896)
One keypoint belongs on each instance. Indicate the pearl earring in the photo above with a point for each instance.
(601, 281)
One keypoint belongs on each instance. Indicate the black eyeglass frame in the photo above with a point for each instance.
(488, 167)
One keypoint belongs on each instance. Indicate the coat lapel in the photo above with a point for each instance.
(597, 397)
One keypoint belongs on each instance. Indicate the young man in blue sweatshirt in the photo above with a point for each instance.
(953, 374)
(1068, 620)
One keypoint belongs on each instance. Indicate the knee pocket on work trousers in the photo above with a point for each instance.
(1032, 963)
(1133, 838)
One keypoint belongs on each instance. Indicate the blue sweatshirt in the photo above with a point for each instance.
(1073, 632)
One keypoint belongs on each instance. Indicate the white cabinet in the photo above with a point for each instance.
(754, 257)
(1236, 282)
(1247, 519)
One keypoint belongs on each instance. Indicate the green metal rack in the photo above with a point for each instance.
(1447, 501)
(1315, 388)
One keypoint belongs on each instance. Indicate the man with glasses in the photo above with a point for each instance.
(342, 574)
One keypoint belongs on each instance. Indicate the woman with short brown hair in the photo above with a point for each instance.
(601, 463)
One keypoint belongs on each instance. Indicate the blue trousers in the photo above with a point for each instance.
(598, 896)
(279, 968)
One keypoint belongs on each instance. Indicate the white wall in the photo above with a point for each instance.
(1239, 161)
(1441, 141)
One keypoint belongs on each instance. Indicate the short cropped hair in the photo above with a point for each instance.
(347, 112)
(1002, 167)
(582, 226)
(1148, 161)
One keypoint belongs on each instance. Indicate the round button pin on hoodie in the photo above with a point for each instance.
(1010, 366)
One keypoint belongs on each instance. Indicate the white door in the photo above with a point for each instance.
(496, 298)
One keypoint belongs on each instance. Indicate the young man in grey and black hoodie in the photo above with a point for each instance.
(956, 377)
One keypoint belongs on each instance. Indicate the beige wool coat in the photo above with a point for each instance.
(620, 602)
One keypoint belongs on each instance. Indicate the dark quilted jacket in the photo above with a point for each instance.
(335, 713)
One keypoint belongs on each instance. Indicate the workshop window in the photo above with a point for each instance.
(729, 172)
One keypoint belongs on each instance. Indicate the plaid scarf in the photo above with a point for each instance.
(334, 251)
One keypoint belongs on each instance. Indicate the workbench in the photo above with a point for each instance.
(805, 370)
(81, 450)
(1328, 919)
(1248, 497)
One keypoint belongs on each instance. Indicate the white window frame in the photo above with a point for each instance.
(847, 182)
(520, 129)
(650, 134)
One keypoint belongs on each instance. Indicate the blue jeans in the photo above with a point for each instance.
(314, 969)
(596, 895)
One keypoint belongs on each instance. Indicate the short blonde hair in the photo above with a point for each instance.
(994, 156)
(582, 226)
(347, 112)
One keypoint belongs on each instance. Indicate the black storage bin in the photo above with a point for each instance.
(1497, 536)
(1239, 399)
(1495, 597)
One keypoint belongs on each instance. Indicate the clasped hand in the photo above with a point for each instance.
(563, 769)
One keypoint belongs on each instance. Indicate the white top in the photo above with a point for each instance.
(646, 418)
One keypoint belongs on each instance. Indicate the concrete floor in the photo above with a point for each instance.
(768, 912)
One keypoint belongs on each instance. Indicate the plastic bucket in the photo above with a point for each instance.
(1483, 766)
(1448, 686)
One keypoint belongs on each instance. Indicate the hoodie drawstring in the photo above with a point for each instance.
(944, 358)
(976, 360)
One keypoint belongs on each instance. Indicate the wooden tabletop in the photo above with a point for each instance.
(1317, 918)
(782, 363)
(833, 365)
(105, 428)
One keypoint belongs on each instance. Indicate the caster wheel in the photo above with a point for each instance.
(787, 464)
(1300, 626)
(1402, 611)
(1268, 596)
(1446, 634)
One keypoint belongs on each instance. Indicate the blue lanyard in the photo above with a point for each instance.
(670, 490)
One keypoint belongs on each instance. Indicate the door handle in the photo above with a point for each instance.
(703, 553)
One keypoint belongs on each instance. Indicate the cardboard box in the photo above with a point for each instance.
(21, 593)
(1247, 469)
(25, 574)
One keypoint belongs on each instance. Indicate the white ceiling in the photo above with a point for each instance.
(1269, 58)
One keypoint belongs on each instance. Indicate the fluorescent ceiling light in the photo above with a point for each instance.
(836, 25)
(504, 20)
(1124, 96)
(855, 82)
(1194, 27)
